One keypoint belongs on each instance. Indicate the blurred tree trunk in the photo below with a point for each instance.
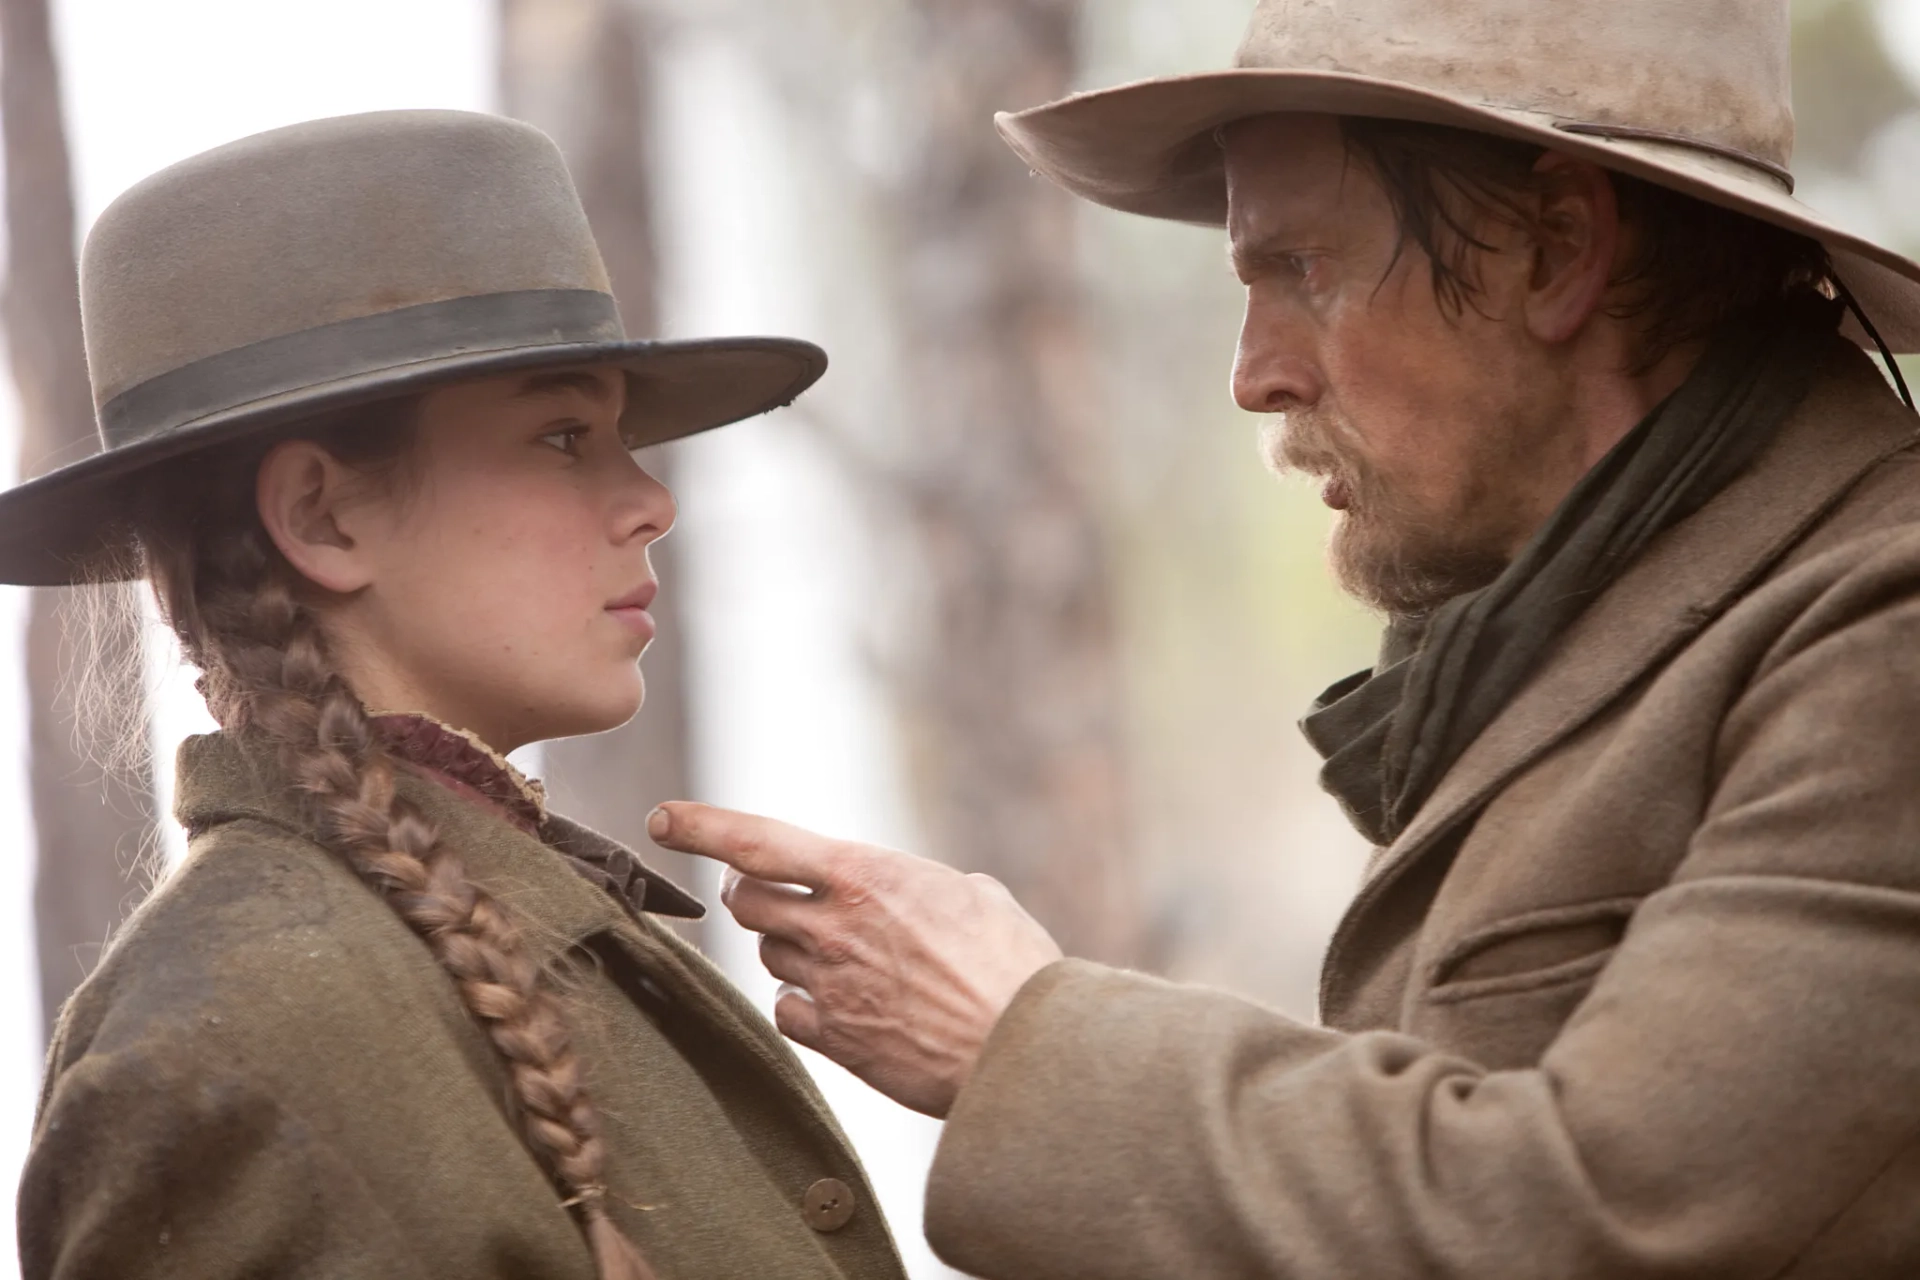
(579, 70)
(91, 827)
(1010, 685)
(985, 473)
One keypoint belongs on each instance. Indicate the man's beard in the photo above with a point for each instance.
(1383, 552)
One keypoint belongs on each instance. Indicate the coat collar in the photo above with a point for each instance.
(221, 780)
(463, 761)
(1689, 576)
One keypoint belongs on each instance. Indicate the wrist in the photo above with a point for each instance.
(1027, 989)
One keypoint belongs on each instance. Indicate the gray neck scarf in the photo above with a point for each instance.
(1390, 734)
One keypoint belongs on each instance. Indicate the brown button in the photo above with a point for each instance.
(829, 1205)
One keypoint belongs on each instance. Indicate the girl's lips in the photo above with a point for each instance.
(639, 598)
(634, 618)
(630, 610)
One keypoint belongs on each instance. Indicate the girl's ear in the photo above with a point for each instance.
(303, 494)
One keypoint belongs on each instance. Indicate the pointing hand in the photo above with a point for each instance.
(899, 966)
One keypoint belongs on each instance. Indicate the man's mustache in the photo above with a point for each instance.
(1302, 444)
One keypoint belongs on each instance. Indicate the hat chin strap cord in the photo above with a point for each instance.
(1859, 313)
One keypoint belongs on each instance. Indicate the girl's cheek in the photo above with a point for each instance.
(540, 545)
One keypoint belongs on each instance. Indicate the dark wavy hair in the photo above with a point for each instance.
(1693, 264)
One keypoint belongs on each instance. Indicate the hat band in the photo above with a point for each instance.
(328, 353)
(1628, 133)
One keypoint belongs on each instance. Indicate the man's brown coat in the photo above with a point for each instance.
(269, 1075)
(1637, 994)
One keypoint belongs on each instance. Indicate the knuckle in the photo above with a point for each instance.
(834, 949)
(837, 863)
(859, 876)
(855, 891)
(835, 1046)
(988, 884)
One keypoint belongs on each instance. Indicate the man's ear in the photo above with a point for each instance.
(302, 491)
(1576, 237)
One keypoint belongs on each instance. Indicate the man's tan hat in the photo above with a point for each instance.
(1694, 95)
(345, 261)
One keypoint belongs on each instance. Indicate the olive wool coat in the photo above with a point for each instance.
(269, 1075)
(1637, 994)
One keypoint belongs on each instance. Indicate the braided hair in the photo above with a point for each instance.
(232, 600)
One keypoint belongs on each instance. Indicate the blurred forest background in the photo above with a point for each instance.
(1011, 588)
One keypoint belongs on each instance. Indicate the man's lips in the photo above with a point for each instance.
(630, 610)
(1321, 465)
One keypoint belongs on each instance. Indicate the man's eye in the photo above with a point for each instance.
(567, 439)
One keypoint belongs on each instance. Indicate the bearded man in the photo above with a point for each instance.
(1633, 986)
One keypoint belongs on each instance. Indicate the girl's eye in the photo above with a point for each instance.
(567, 439)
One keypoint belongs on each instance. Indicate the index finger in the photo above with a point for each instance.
(759, 847)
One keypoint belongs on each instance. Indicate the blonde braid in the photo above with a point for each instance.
(266, 670)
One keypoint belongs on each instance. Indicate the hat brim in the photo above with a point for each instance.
(1149, 148)
(61, 528)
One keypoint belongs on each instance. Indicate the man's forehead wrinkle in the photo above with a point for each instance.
(1288, 218)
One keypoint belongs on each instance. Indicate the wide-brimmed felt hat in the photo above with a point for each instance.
(1694, 95)
(339, 262)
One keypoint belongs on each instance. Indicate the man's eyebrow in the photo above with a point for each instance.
(541, 384)
(1250, 261)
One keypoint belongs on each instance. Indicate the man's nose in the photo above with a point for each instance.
(1273, 370)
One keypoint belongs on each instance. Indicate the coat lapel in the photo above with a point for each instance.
(220, 782)
(1687, 578)
(656, 894)
(567, 911)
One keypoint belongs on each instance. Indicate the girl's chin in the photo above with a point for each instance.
(574, 716)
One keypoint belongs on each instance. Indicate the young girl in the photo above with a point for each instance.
(368, 412)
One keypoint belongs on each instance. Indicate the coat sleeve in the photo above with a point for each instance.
(148, 1163)
(1744, 1071)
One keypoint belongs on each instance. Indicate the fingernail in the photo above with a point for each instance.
(659, 824)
